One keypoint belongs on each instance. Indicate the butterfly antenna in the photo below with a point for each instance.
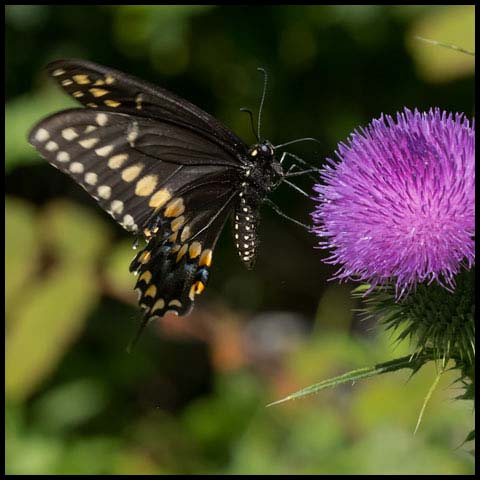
(250, 113)
(265, 81)
(134, 341)
(306, 139)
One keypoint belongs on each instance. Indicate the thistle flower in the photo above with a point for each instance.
(398, 207)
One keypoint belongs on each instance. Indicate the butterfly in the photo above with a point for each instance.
(165, 170)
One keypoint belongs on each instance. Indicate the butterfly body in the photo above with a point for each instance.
(163, 169)
(262, 174)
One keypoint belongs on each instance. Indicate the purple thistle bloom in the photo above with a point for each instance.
(399, 206)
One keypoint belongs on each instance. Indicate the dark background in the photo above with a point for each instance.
(191, 397)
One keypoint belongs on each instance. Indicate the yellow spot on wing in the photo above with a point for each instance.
(144, 257)
(63, 156)
(112, 103)
(89, 142)
(117, 160)
(145, 276)
(91, 178)
(146, 185)
(42, 135)
(58, 72)
(196, 289)
(81, 79)
(104, 151)
(182, 252)
(128, 221)
(200, 287)
(109, 79)
(98, 92)
(117, 207)
(175, 208)
(69, 134)
(205, 258)
(66, 82)
(101, 119)
(185, 233)
(158, 305)
(104, 191)
(160, 198)
(151, 291)
(132, 133)
(131, 173)
(177, 223)
(195, 249)
(51, 146)
(76, 167)
(78, 94)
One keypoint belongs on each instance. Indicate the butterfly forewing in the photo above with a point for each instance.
(96, 86)
(131, 166)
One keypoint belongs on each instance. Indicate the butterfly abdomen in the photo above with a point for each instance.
(246, 220)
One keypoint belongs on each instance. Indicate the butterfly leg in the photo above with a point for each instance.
(289, 172)
(301, 172)
(276, 209)
(298, 189)
(301, 162)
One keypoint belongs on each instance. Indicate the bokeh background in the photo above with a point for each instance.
(191, 397)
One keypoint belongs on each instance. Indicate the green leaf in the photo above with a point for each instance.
(74, 234)
(43, 327)
(21, 248)
(354, 375)
(49, 310)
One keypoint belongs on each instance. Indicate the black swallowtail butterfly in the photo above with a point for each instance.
(162, 168)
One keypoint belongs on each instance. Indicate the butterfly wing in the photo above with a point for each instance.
(131, 165)
(167, 171)
(174, 266)
(97, 86)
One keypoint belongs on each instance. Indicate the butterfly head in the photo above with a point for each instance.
(262, 151)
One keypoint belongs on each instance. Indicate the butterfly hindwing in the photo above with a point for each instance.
(174, 266)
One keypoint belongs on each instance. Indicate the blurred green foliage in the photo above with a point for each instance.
(191, 398)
